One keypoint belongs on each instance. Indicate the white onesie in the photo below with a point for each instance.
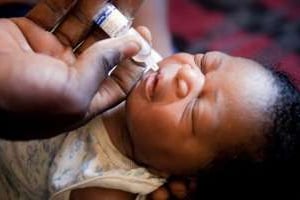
(84, 158)
(87, 158)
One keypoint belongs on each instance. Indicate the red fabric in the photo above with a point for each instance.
(290, 8)
(212, 29)
(191, 21)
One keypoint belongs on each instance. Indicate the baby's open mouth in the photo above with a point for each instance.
(150, 85)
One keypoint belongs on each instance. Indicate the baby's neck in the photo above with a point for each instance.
(115, 124)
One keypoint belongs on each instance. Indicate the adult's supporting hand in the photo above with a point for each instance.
(48, 82)
(177, 188)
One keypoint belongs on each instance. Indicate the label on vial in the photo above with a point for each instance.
(115, 24)
(112, 21)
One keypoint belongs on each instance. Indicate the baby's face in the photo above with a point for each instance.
(181, 117)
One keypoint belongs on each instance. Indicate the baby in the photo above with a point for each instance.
(194, 111)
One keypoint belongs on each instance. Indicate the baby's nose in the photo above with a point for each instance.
(182, 88)
(190, 80)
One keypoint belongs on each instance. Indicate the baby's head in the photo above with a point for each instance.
(197, 109)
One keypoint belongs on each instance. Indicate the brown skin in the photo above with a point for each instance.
(198, 108)
(198, 105)
(27, 36)
(43, 79)
(46, 22)
(100, 194)
(57, 46)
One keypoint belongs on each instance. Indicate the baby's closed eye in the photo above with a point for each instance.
(210, 61)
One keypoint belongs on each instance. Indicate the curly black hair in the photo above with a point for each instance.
(285, 133)
(243, 176)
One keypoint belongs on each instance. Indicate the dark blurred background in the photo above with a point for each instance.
(267, 31)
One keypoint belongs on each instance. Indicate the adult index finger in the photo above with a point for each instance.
(48, 13)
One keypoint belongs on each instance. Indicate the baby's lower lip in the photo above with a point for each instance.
(150, 84)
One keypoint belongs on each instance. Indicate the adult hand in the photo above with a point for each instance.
(48, 82)
(176, 188)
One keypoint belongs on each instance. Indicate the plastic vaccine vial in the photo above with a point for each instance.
(115, 24)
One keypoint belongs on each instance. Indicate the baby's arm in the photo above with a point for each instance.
(96, 193)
